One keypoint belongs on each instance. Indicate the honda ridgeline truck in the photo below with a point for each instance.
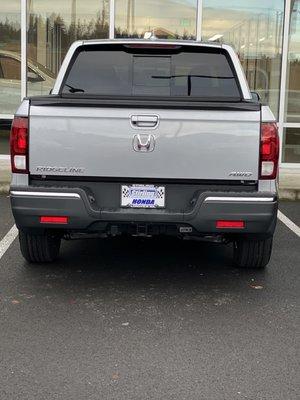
(146, 138)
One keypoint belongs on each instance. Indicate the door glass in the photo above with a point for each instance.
(10, 47)
(52, 29)
(291, 145)
(164, 19)
(254, 28)
(293, 82)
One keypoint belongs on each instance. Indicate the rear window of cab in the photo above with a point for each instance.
(134, 71)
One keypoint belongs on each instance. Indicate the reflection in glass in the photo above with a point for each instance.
(254, 28)
(10, 47)
(114, 71)
(293, 82)
(51, 33)
(291, 145)
(164, 19)
(4, 140)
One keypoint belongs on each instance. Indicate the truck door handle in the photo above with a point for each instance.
(144, 121)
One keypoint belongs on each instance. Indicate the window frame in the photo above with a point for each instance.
(120, 47)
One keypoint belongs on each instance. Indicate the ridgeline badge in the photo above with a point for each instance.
(242, 174)
(68, 170)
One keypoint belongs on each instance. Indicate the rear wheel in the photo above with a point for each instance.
(39, 248)
(252, 253)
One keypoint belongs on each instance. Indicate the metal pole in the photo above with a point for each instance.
(199, 20)
(111, 19)
(133, 16)
(284, 69)
(73, 19)
(23, 48)
(128, 16)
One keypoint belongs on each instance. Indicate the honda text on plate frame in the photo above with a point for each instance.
(143, 196)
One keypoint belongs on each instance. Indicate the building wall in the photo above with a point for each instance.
(254, 28)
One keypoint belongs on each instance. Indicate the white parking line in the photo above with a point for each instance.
(8, 240)
(290, 224)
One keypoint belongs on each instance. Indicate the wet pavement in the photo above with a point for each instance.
(150, 319)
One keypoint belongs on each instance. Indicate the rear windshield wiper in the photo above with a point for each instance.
(189, 78)
(74, 89)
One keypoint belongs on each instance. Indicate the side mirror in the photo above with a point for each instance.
(255, 96)
(50, 91)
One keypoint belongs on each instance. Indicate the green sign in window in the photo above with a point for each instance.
(185, 22)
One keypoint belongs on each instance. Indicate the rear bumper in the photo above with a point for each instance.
(257, 210)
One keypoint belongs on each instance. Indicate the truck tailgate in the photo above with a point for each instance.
(183, 144)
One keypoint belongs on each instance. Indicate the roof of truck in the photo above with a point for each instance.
(154, 41)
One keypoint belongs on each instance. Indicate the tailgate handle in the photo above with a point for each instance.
(144, 121)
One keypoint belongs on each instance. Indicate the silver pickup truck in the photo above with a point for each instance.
(146, 138)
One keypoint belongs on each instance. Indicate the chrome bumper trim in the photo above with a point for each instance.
(241, 199)
(45, 194)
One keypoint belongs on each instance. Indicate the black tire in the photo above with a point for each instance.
(39, 248)
(252, 253)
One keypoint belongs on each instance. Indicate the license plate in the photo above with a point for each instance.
(143, 196)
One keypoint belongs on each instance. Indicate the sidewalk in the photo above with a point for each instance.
(289, 181)
(289, 184)
(4, 175)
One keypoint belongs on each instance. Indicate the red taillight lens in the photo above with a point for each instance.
(230, 224)
(53, 220)
(19, 145)
(269, 151)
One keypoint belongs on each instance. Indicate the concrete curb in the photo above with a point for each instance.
(289, 181)
(4, 188)
(289, 184)
(5, 176)
(289, 194)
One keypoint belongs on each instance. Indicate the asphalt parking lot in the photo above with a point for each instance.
(150, 319)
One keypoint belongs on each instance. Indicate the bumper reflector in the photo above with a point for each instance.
(53, 220)
(230, 224)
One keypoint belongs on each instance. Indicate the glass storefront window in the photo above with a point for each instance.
(291, 145)
(10, 48)
(293, 81)
(51, 33)
(10, 66)
(254, 28)
(164, 19)
(4, 141)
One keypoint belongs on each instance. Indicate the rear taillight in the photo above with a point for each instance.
(269, 150)
(19, 145)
